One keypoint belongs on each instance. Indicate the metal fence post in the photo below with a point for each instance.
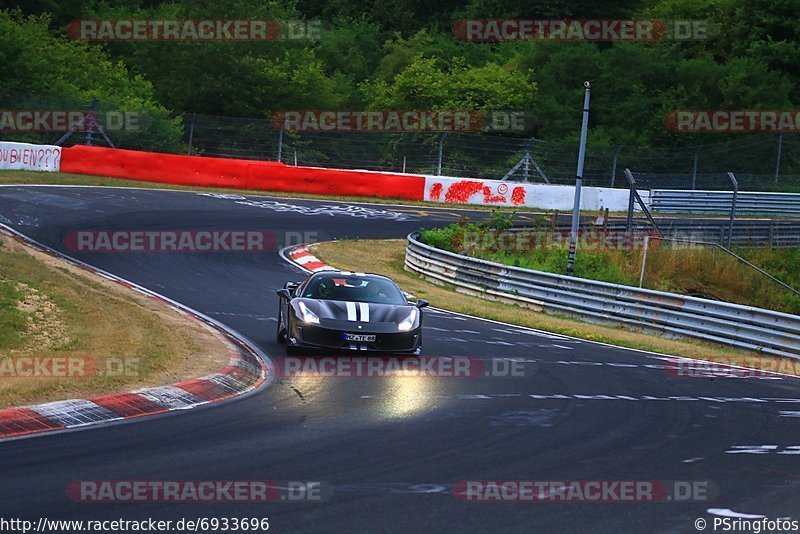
(645, 209)
(629, 221)
(191, 132)
(526, 169)
(280, 144)
(92, 120)
(733, 206)
(614, 165)
(576, 208)
(644, 258)
(778, 158)
(441, 151)
(694, 167)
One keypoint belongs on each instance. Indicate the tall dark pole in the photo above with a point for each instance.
(576, 209)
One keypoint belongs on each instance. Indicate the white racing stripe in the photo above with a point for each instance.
(364, 309)
(351, 311)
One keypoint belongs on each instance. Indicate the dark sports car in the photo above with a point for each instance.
(349, 311)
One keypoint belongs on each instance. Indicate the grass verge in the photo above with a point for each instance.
(113, 338)
(387, 257)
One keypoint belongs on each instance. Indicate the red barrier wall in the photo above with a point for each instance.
(238, 173)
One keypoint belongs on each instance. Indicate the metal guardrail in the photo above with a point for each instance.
(746, 232)
(744, 327)
(747, 203)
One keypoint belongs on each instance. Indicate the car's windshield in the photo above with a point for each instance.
(353, 288)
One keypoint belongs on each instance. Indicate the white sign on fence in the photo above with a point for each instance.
(26, 157)
(541, 196)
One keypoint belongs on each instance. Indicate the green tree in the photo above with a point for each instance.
(32, 62)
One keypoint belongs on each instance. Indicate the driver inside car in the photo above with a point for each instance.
(374, 294)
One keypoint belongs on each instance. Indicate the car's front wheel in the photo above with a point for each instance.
(280, 334)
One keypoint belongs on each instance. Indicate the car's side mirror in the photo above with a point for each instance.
(284, 293)
(421, 303)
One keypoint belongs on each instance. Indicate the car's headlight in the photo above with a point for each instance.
(307, 315)
(408, 323)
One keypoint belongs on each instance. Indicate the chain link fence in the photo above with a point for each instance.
(762, 162)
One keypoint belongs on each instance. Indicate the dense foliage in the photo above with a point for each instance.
(403, 54)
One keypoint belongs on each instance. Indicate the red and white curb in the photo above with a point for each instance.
(301, 258)
(304, 259)
(246, 371)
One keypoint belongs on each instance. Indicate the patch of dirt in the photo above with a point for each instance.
(209, 352)
(46, 327)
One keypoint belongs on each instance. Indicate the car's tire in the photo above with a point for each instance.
(280, 333)
(292, 350)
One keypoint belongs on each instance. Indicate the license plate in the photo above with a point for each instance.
(364, 338)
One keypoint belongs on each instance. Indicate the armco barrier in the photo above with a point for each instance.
(236, 173)
(275, 176)
(746, 233)
(721, 322)
(747, 203)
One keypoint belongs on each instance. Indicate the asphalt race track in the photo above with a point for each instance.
(392, 448)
